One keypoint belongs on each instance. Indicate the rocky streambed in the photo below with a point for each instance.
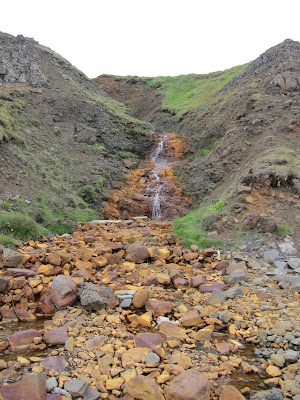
(121, 310)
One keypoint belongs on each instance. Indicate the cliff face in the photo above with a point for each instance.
(62, 139)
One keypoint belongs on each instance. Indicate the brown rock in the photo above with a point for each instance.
(84, 253)
(163, 253)
(151, 280)
(234, 266)
(31, 387)
(23, 339)
(222, 265)
(204, 334)
(140, 298)
(212, 287)
(209, 252)
(150, 340)
(181, 283)
(143, 388)
(12, 258)
(59, 364)
(135, 355)
(191, 318)
(24, 315)
(190, 256)
(137, 253)
(3, 284)
(63, 291)
(46, 270)
(54, 259)
(159, 307)
(189, 385)
(56, 335)
(19, 272)
(229, 392)
(198, 280)
(113, 259)
(172, 331)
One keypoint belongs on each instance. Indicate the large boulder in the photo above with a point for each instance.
(12, 258)
(63, 291)
(31, 387)
(189, 385)
(137, 253)
(94, 297)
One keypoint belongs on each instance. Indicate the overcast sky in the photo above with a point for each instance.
(157, 37)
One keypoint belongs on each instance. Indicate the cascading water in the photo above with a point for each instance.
(156, 209)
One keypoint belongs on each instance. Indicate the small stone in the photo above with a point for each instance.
(143, 388)
(137, 253)
(191, 318)
(126, 303)
(236, 276)
(51, 384)
(114, 384)
(150, 340)
(159, 307)
(273, 371)
(152, 360)
(63, 291)
(189, 385)
(278, 359)
(229, 392)
(217, 297)
(140, 298)
(12, 258)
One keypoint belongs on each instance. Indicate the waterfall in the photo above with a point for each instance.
(156, 210)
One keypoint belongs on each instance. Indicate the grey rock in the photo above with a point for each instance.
(291, 356)
(271, 255)
(126, 303)
(12, 258)
(262, 335)
(265, 308)
(234, 292)
(294, 262)
(94, 297)
(217, 297)
(3, 284)
(76, 387)
(296, 288)
(51, 384)
(287, 248)
(273, 394)
(236, 276)
(297, 397)
(62, 392)
(278, 359)
(225, 316)
(281, 264)
(152, 360)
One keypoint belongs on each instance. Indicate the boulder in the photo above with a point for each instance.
(143, 388)
(217, 297)
(159, 307)
(229, 392)
(140, 298)
(23, 339)
(12, 258)
(137, 253)
(59, 364)
(236, 276)
(56, 335)
(94, 297)
(189, 385)
(31, 387)
(63, 291)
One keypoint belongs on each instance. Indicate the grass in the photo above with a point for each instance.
(20, 226)
(184, 93)
(190, 229)
(284, 229)
(7, 241)
(207, 150)
(128, 154)
(7, 120)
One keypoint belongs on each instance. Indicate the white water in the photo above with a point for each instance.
(156, 210)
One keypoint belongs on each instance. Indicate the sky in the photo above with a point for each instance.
(154, 38)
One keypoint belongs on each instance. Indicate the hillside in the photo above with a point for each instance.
(62, 139)
(242, 129)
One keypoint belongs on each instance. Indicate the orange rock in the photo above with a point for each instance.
(229, 392)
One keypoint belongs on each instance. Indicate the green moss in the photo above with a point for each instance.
(128, 154)
(190, 228)
(207, 150)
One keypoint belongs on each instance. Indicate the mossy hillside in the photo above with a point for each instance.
(190, 228)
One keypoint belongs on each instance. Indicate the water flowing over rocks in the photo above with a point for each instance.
(187, 330)
(152, 189)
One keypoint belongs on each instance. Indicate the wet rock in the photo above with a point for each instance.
(229, 392)
(12, 258)
(236, 276)
(56, 335)
(150, 340)
(95, 297)
(31, 387)
(189, 385)
(273, 394)
(159, 307)
(217, 297)
(137, 253)
(143, 388)
(63, 291)
(140, 298)
(59, 364)
(23, 339)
